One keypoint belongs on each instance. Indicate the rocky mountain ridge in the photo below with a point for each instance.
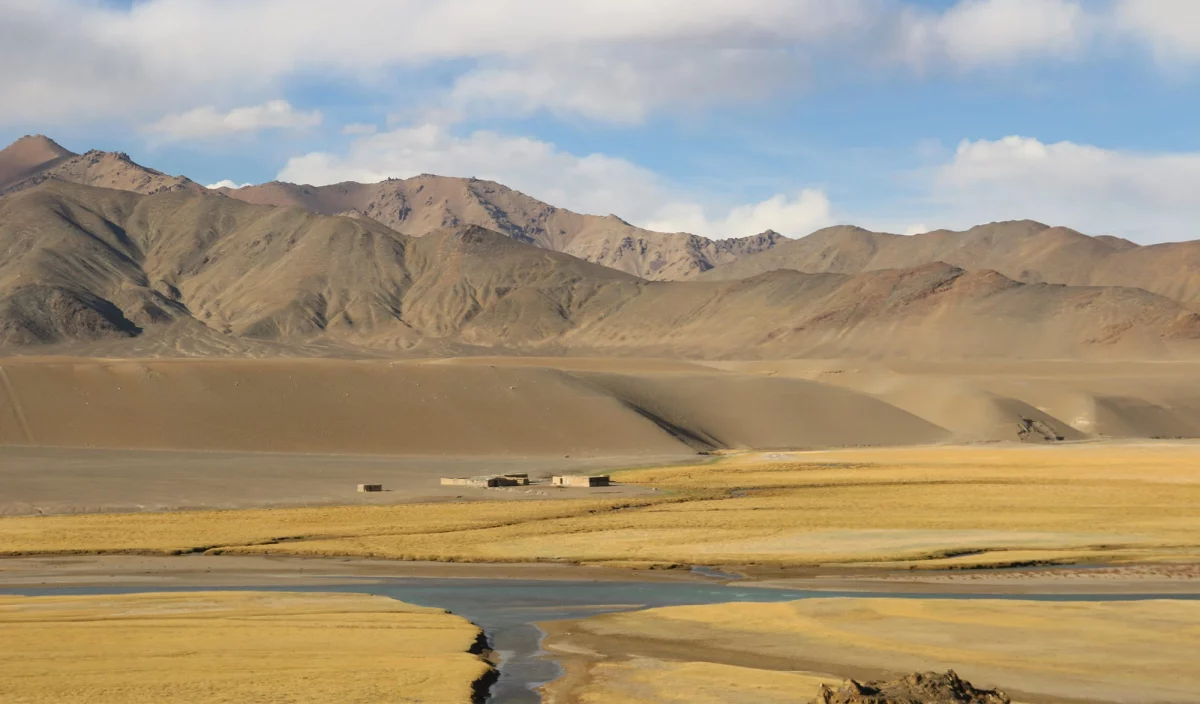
(82, 264)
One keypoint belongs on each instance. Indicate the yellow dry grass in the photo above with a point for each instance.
(197, 531)
(938, 506)
(233, 647)
(652, 681)
(1086, 651)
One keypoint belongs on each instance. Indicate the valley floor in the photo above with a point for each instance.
(918, 508)
(934, 511)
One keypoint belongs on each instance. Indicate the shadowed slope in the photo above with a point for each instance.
(236, 268)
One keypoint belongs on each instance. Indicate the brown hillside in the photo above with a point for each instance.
(426, 203)
(415, 206)
(88, 264)
(1024, 250)
(29, 156)
(33, 160)
(931, 312)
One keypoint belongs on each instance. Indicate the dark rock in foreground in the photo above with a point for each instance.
(917, 688)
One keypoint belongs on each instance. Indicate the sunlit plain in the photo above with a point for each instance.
(925, 507)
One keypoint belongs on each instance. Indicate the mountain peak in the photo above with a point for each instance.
(35, 159)
(42, 142)
(29, 156)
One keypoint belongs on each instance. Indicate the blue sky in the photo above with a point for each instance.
(720, 117)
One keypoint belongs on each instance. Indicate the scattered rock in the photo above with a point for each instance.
(1029, 430)
(917, 688)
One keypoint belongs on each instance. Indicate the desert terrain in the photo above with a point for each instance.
(865, 479)
(848, 455)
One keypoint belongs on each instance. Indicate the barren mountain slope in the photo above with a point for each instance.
(425, 203)
(415, 206)
(931, 312)
(86, 263)
(29, 156)
(36, 159)
(82, 263)
(1022, 250)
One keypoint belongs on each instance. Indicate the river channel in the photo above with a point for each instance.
(508, 610)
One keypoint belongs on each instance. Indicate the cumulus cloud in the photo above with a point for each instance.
(209, 122)
(613, 60)
(792, 216)
(1170, 27)
(593, 183)
(67, 56)
(1147, 197)
(226, 183)
(985, 32)
(623, 85)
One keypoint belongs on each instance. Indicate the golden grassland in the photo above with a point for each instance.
(652, 681)
(1086, 651)
(924, 507)
(233, 647)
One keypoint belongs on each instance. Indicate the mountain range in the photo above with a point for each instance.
(83, 264)
(100, 251)
(414, 206)
(1023, 250)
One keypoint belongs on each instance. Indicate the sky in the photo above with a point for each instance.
(719, 117)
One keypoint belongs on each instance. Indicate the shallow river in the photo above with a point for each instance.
(509, 609)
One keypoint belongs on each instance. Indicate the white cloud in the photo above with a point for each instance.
(67, 56)
(614, 60)
(1170, 27)
(595, 183)
(208, 122)
(359, 128)
(790, 216)
(226, 183)
(623, 85)
(1147, 197)
(984, 32)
